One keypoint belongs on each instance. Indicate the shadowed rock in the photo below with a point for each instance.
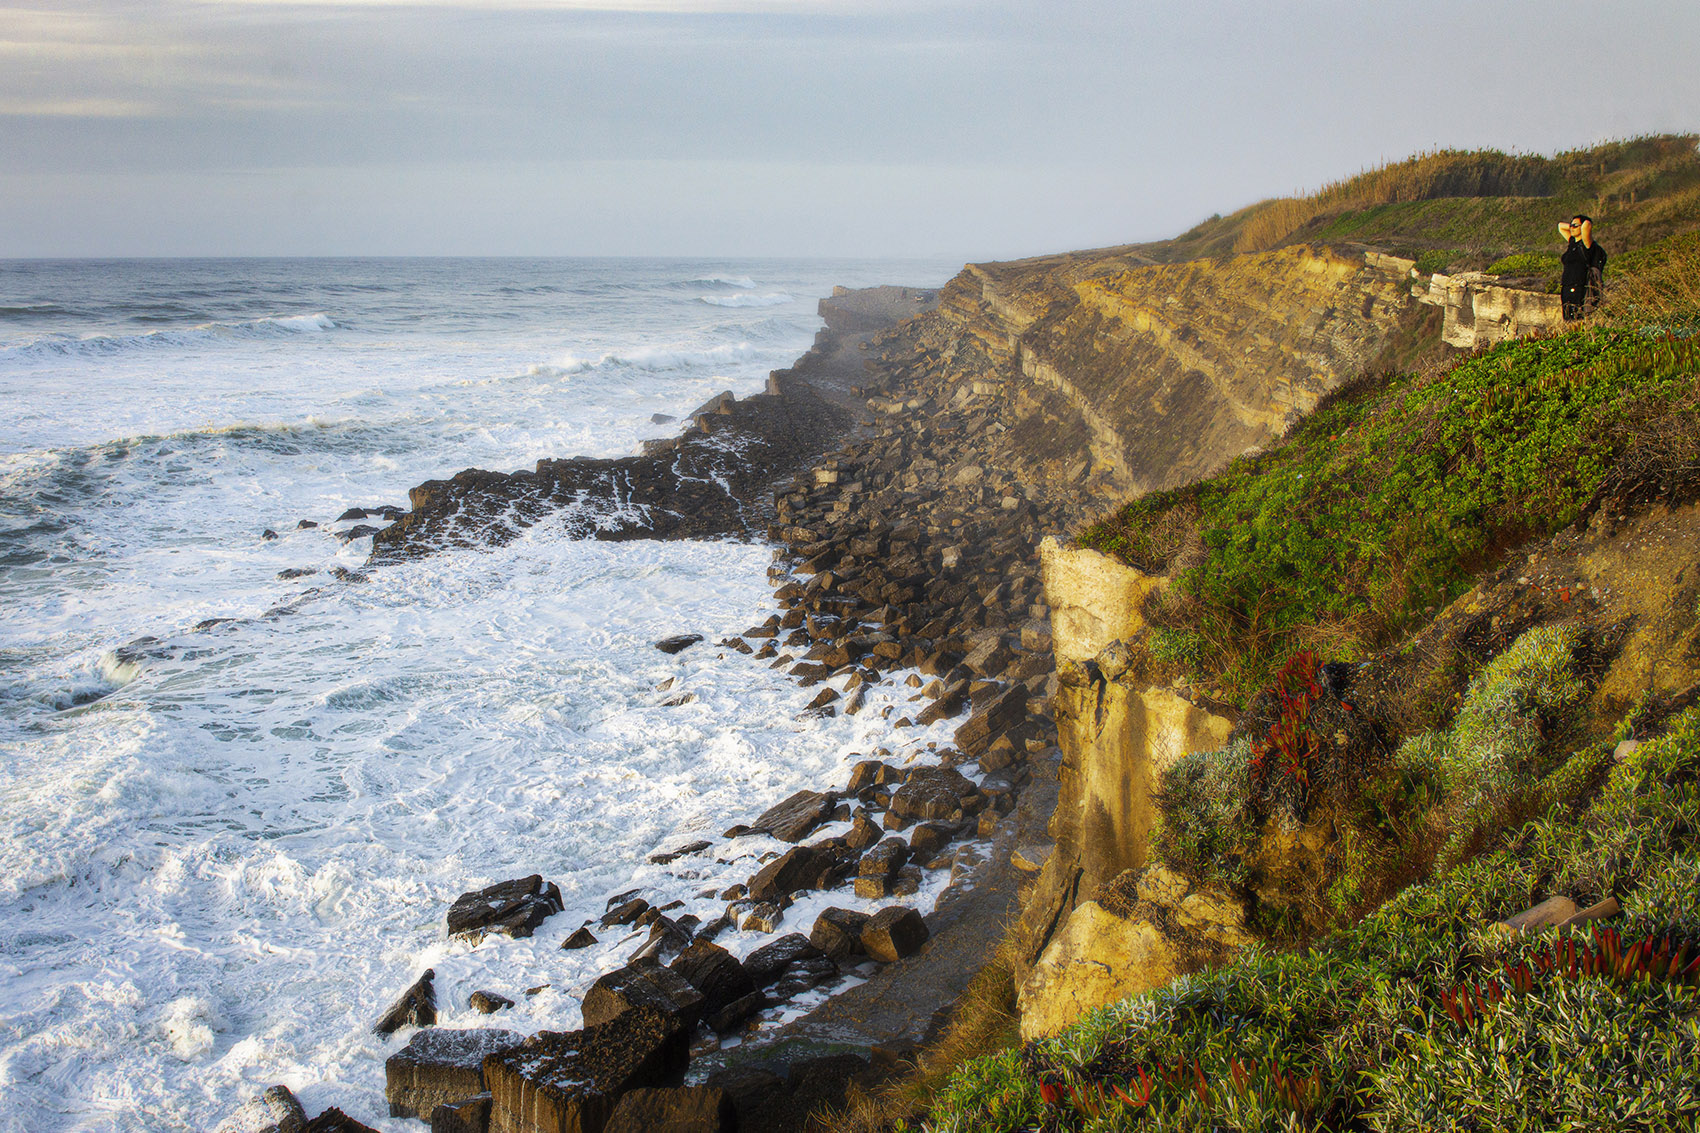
(417, 1007)
(570, 1081)
(438, 1066)
(510, 908)
(682, 1109)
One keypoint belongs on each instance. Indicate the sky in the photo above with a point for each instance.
(967, 129)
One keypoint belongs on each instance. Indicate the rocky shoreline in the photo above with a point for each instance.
(903, 558)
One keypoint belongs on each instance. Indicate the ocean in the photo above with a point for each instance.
(243, 777)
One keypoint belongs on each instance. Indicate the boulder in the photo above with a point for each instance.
(642, 985)
(768, 963)
(469, 1115)
(765, 916)
(488, 1002)
(333, 1120)
(714, 972)
(804, 867)
(625, 913)
(735, 1014)
(439, 1066)
(791, 820)
(678, 643)
(417, 1007)
(838, 932)
(998, 715)
(680, 1109)
(275, 1111)
(561, 1081)
(871, 773)
(582, 938)
(675, 854)
(893, 933)
(863, 832)
(932, 793)
(511, 908)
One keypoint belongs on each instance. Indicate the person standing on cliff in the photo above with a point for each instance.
(1583, 283)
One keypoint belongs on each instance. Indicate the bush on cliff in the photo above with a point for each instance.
(1395, 1023)
(1386, 502)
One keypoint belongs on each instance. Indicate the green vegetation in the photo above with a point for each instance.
(1526, 263)
(1385, 502)
(1479, 205)
(1417, 1018)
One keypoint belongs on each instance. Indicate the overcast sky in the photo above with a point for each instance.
(974, 129)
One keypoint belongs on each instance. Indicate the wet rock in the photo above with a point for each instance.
(333, 1120)
(715, 973)
(470, 1115)
(509, 908)
(803, 975)
(275, 1111)
(268, 535)
(642, 985)
(804, 867)
(933, 793)
(927, 839)
(765, 916)
(625, 913)
(893, 933)
(358, 531)
(863, 832)
(581, 938)
(417, 1007)
(438, 1066)
(999, 715)
(766, 964)
(793, 819)
(572, 1080)
(678, 643)
(289, 573)
(681, 1109)
(736, 1013)
(306, 525)
(838, 932)
(488, 1002)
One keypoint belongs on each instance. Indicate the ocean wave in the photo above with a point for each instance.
(742, 281)
(106, 345)
(654, 360)
(771, 299)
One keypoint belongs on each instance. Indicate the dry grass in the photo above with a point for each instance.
(1442, 173)
(1659, 284)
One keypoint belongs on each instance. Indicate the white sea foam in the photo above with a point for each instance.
(772, 299)
(224, 845)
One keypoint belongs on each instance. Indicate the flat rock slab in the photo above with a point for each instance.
(645, 985)
(469, 1115)
(678, 643)
(510, 908)
(791, 820)
(333, 1120)
(793, 871)
(569, 1082)
(714, 972)
(893, 933)
(769, 962)
(438, 1066)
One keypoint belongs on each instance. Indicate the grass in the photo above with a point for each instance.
(1359, 1026)
(1385, 503)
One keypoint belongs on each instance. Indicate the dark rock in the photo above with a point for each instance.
(343, 574)
(735, 1014)
(863, 833)
(358, 531)
(767, 963)
(439, 1066)
(582, 938)
(893, 933)
(678, 643)
(306, 525)
(714, 972)
(929, 838)
(625, 914)
(417, 1007)
(999, 715)
(296, 572)
(763, 917)
(948, 704)
(871, 773)
(488, 1002)
(352, 513)
(838, 932)
(760, 1098)
(642, 985)
(333, 1120)
(275, 1111)
(511, 908)
(797, 869)
(470, 1115)
(268, 535)
(932, 793)
(802, 975)
(884, 859)
(791, 820)
(681, 1109)
(571, 1080)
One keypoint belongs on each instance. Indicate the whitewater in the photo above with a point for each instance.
(243, 774)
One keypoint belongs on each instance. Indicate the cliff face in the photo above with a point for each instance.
(1160, 373)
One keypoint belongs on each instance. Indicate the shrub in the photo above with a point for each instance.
(1202, 817)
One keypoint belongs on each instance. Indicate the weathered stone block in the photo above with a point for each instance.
(509, 908)
(838, 932)
(439, 1066)
(894, 933)
(469, 1115)
(275, 1111)
(642, 985)
(791, 820)
(416, 1007)
(568, 1082)
(714, 972)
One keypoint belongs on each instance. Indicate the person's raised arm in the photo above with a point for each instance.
(1564, 229)
(1587, 233)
